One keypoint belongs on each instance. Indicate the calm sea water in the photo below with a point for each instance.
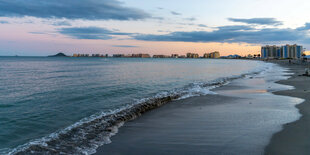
(42, 96)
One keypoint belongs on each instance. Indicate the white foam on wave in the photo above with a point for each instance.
(104, 139)
(197, 90)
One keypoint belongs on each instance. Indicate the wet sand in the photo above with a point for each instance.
(240, 119)
(295, 136)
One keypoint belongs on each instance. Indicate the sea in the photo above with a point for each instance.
(65, 105)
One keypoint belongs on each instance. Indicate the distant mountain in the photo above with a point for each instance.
(58, 55)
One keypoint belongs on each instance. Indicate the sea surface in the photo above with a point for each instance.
(74, 105)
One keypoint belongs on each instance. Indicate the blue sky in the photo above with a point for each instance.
(31, 27)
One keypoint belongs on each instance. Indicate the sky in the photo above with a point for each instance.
(45, 27)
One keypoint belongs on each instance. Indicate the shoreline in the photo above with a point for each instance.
(245, 116)
(293, 138)
(100, 126)
(242, 108)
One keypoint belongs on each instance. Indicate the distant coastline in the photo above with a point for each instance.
(58, 55)
(212, 55)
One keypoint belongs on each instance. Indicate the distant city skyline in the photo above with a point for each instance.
(155, 26)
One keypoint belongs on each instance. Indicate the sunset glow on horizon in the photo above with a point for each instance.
(154, 27)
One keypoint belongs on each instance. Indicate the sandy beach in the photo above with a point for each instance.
(294, 138)
(240, 119)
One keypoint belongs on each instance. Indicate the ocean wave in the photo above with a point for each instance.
(86, 135)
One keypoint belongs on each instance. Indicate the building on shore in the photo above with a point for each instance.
(145, 56)
(140, 55)
(87, 55)
(118, 55)
(292, 51)
(271, 51)
(128, 55)
(286, 51)
(161, 56)
(192, 55)
(213, 55)
(235, 56)
(131, 56)
(80, 55)
(98, 55)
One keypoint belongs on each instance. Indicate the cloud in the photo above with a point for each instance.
(306, 27)
(202, 25)
(258, 21)
(231, 34)
(4, 22)
(235, 28)
(158, 18)
(175, 13)
(223, 34)
(71, 9)
(90, 33)
(61, 23)
(37, 32)
(190, 19)
(125, 46)
(161, 31)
